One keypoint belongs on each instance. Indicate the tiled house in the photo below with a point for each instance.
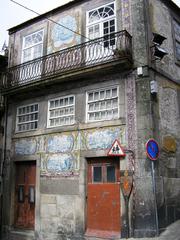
(82, 77)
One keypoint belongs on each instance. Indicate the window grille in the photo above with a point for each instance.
(102, 104)
(27, 117)
(61, 111)
(32, 46)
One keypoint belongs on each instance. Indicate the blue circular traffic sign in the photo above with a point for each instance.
(152, 149)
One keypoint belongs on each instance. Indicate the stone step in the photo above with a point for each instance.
(21, 235)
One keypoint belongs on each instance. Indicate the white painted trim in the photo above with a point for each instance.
(25, 114)
(63, 116)
(23, 48)
(98, 90)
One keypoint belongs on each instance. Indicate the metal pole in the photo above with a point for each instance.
(127, 216)
(155, 200)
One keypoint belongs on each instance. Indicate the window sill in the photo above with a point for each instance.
(70, 128)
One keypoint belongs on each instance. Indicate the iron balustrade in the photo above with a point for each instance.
(94, 52)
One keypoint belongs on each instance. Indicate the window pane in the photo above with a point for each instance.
(97, 174)
(103, 104)
(32, 46)
(90, 97)
(111, 174)
(31, 194)
(102, 12)
(27, 115)
(20, 194)
(63, 112)
(37, 51)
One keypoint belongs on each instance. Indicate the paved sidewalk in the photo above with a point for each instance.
(172, 233)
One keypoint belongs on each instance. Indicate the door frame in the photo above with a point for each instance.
(36, 160)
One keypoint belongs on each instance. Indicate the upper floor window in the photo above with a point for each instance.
(177, 38)
(61, 111)
(101, 13)
(102, 104)
(27, 117)
(32, 46)
(101, 22)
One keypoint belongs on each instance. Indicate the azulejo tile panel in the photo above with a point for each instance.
(60, 162)
(25, 147)
(60, 143)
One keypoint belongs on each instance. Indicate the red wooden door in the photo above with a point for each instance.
(103, 199)
(25, 195)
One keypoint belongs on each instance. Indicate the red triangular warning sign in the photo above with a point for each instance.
(116, 150)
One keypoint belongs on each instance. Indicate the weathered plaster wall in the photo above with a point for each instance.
(168, 164)
(161, 22)
(62, 152)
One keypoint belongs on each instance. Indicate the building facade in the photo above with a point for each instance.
(82, 77)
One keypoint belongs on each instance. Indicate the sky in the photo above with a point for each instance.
(12, 14)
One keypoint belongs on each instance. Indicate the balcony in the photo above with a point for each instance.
(98, 55)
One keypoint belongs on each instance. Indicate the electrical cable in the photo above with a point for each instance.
(61, 25)
(51, 20)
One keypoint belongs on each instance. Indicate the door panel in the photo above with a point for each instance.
(25, 195)
(103, 199)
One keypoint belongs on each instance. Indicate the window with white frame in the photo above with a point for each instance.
(61, 111)
(27, 117)
(102, 104)
(101, 22)
(177, 38)
(32, 46)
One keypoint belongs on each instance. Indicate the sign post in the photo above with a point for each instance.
(126, 180)
(126, 186)
(152, 151)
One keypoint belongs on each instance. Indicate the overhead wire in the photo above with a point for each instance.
(51, 20)
(61, 25)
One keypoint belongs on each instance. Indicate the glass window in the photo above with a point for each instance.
(21, 193)
(101, 23)
(27, 118)
(111, 174)
(32, 46)
(61, 111)
(102, 105)
(97, 174)
(177, 38)
(101, 13)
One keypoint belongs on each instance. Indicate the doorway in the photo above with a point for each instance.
(103, 198)
(25, 183)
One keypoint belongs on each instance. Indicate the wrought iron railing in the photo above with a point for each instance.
(95, 52)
